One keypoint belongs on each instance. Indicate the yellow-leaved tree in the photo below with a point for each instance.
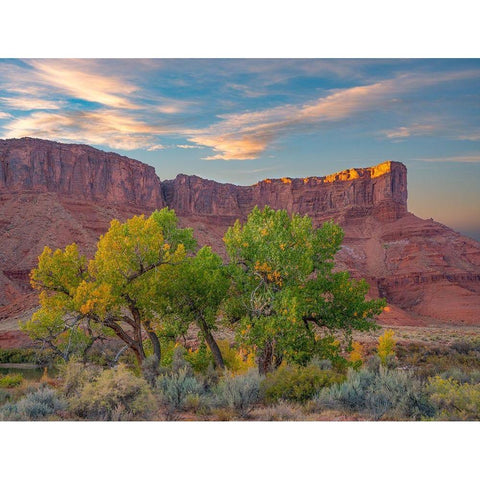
(113, 293)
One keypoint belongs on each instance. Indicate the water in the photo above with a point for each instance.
(29, 371)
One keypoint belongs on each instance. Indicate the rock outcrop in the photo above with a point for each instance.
(380, 191)
(54, 194)
(77, 171)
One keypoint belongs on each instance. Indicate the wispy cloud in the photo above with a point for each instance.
(78, 79)
(412, 130)
(26, 103)
(454, 159)
(245, 136)
(474, 136)
(101, 127)
(189, 146)
(154, 148)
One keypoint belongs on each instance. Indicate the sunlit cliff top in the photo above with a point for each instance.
(343, 176)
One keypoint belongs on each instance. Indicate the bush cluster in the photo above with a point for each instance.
(239, 392)
(382, 394)
(116, 394)
(296, 383)
(11, 380)
(455, 400)
(37, 405)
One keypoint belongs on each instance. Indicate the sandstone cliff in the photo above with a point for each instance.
(54, 194)
(77, 171)
(380, 191)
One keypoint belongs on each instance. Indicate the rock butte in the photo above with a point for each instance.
(55, 194)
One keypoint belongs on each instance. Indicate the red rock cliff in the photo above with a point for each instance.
(78, 171)
(380, 191)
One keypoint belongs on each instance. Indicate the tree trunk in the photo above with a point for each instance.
(157, 349)
(135, 345)
(265, 358)
(212, 344)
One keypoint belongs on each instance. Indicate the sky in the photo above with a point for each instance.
(243, 120)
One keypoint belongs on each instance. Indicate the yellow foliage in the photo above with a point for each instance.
(386, 345)
(357, 353)
(237, 361)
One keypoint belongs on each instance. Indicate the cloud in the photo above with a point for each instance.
(5, 115)
(412, 130)
(25, 103)
(79, 79)
(100, 127)
(189, 146)
(455, 159)
(154, 148)
(245, 136)
(474, 137)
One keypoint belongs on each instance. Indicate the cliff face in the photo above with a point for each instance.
(77, 171)
(380, 191)
(55, 194)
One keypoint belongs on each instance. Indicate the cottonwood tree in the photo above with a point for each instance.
(191, 293)
(114, 293)
(287, 301)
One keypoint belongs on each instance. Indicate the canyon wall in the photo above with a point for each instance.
(380, 191)
(77, 171)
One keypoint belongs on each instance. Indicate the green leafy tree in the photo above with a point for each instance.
(191, 293)
(287, 301)
(114, 293)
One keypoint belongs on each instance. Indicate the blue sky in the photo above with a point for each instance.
(241, 121)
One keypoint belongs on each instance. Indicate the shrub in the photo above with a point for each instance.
(282, 411)
(11, 380)
(384, 394)
(463, 346)
(240, 392)
(236, 361)
(386, 346)
(175, 388)
(455, 400)
(179, 361)
(115, 390)
(199, 359)
(322, 363)
(461, 376)
(76, 375)
(356, 355)
(34, 406)
(297, 383)
(151, 370)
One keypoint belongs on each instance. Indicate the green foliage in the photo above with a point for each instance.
(11, 381)
(455, 400)
(239, 393)
(199, 359)
(390, 394)
(286, 299)
(22, 355)
(36, 405)
(175, 388)
(296, 383)
(113, 391)
(191, 293)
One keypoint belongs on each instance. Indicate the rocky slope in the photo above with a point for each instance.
(54, 194)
